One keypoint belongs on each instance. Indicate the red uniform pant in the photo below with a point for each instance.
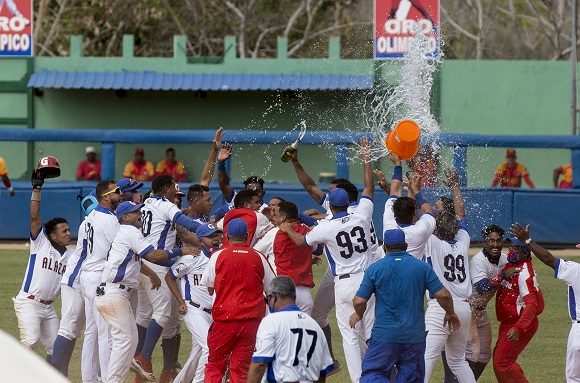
(234, 340)
(507, 370)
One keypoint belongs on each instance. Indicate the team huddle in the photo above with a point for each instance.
(241, 282)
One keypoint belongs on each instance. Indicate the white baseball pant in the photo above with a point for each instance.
(479, 345)
(144, 311)
(573, 354)
(161, 305)
(72, 312)
(324, 299)
(115, 307)
(37, 322)
(304, 299)
(454, 343)
(353, 340)
(96, 343)
(198, 322)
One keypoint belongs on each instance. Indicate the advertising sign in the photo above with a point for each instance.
(395, 23)
(16, 28)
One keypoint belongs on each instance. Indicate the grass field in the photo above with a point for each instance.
(543, 361)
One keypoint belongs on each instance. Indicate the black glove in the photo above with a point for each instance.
(36, 180)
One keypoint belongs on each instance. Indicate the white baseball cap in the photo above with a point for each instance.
(90, 149)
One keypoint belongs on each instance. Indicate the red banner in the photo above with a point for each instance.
(16, 28)
(396, 22)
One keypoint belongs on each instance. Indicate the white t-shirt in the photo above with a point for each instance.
(124, 262)
(450, 261)
(346, 238)
(189, 271)
(158, 227)
(480, 267)
(102, 227)
(416, 235)
(266, 246)
(75, 262)
(44, 270)
(294, 347)
(569, 272)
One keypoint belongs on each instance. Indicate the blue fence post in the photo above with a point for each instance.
(341, 161)
(460, 163)
(108, 160)
(576, 168)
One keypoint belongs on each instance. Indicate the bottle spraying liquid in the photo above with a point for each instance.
(291, 149)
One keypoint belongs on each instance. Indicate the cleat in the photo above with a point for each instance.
(143, 367)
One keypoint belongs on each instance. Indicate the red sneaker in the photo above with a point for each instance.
(143, 367)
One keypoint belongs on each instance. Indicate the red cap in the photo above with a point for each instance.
(510, 153)
(139, 151)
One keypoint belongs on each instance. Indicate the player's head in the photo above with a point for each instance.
(272, 205)
(443, 204)
(91, 154)
(518, 250)
(164, 186)
(209, 236)
(178, 199)
(247, 199)
(446, 226)
(58, 231)
(129, 187)
(108, 194)
(404, 210)
(492, 242)
(170, 155)
(199, 199)
(281, 293)
(394, 241)
(139, 154)
(129, 213)
(255, 183)
(237, 231)
(285, 211)
(345, 184)
(511, 157)
(338, 200)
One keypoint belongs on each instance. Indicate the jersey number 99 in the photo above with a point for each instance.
(455, 268)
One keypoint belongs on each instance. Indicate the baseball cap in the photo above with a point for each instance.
(139, 151)
(90, 149)
(88, 203)
(237, 228)
(510, 153)
(179, 192)
(338, 197)
(129, 184)
(126, 208)
(206, 230)
(519, 243)
(394, 237)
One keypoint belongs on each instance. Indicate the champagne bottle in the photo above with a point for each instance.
(289, 150)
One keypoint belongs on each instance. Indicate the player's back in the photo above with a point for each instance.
(299, 348)
(158, 228)
(102, 227)
(450, 262)
(75, 262)
(189, 270)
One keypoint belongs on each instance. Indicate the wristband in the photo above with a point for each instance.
(221, 165)
(398, 173)
(528, 241)
(175, 252)
(419, 199)
(35, 195)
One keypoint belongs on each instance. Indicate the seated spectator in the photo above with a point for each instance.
(170, 166)
(139, 169)
(4, 177)
(510, 173)
(90, 169)
(566, 172)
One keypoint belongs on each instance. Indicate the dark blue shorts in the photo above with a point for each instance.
(383, 361)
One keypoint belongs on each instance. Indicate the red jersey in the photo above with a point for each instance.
(510, 176)
(292, 260)
(89, 171)
(258, 224)
(511, 295)
(239, 275)
(175, 170)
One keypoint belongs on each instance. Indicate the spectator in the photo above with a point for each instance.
(90, 169)
(4, 176)
(566, 172)
(170, 166)
(139, 169)
(510, 173)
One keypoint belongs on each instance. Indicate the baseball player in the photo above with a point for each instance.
(447, 252)
(34, 304)
(157, 310)
(195, 302)
(568, 272)
(120, 276)
(289, 343)
(5, 179)
(101, 228)
(246, 206)
(347, 240)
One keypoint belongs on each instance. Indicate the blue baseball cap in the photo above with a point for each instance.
(237, 228)
(126, 208)
(129, 184)
(519, 243)
(206, 230)
(338, 197)
(394, 237)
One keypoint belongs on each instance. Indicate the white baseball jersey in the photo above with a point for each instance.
(189, 271)
(158, 227)
(75, 262)
(102, 226)
(450, 263)
(124, 261)
(44, 270)
(266, 246)
(569, 272)
(294, 347)
(346, 238)
(416, 235)
(479, 268)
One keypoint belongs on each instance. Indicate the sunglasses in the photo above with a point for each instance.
(116, 190)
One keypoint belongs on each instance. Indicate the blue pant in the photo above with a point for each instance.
(382, 358)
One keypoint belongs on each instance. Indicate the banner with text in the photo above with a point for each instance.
(16, 28)
(395, 23)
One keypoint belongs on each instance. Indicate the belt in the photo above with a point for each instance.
(344, 276)
(32, 297)
(101, 288)
(198, 306)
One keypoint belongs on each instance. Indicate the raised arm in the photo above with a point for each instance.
(415, 192)
(458, 204)
(540, 252)
(35, 220)
(382, 181)
(223, 179)
(307, 182)
(397, 181)
(208, 168)
(369, 183)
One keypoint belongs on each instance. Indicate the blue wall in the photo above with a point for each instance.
(552, 213)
